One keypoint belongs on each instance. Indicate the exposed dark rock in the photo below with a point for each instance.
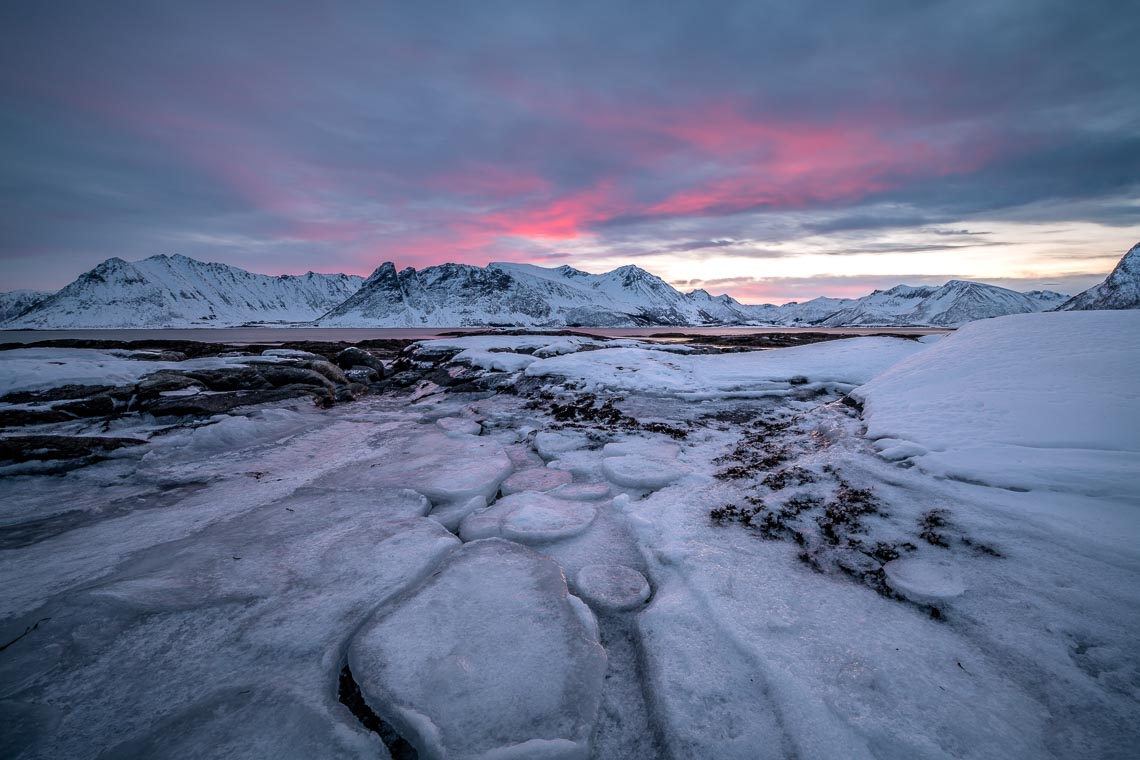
(360, 374)
(328, 369)
(208, 404)
(231, 379)
(279, 376)
(58, 393)
(157, 356)
(358, 357)
(25, 417)
(27, 448)
(95, 406)
(154, 385)
(189, 348)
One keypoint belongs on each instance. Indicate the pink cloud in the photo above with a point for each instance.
(691, 160)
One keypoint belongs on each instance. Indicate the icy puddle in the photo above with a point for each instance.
(553, 548)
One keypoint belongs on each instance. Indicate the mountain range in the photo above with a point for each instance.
(177, 291)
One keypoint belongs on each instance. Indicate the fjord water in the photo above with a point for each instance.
(263, 335)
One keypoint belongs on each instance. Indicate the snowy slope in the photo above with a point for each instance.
(1120, 290)
(1039, 401)
(836, 365)
(1046, 299)
(523, 294)
(15, 302)
(176, 291)
(955, 303)
(526, 295)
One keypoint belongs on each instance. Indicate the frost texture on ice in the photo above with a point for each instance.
(444, 467)
(247, 724)
(1034, 401)
(450, 515)
(582, 491)
(461, 425)
(551, 443)
(454, 672)
(529, 517)
(924, 580)
(612, 587)
(535, 479)
(642, 447)
(222, 644)
(641, 472)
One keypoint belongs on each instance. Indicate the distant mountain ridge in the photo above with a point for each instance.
(16, 302)
(178, 291)
(459, 295)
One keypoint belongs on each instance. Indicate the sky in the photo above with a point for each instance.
(772, 150)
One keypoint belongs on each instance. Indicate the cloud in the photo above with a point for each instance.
(287, 135)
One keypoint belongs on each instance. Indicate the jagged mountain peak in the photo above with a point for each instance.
(177, 291)
(385, 271)
(1120, 290)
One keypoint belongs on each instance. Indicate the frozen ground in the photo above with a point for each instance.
(550, 548)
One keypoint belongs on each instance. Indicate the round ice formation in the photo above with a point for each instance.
(550, 443)
(647, 473)
(545, 519)
(612, 587)
(443, 467)
(390, 502)
(459, 425)
(642, 447)
(451, 515)
(489, 658)
(528, 517)
(535, 479)
(482, 523)
(582, 491)
(923, 580)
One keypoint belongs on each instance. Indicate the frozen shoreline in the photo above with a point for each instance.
(805, 594)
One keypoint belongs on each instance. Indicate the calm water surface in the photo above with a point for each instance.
(351, 335)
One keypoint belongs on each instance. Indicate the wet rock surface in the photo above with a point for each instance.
(25, 448)
(245, 376)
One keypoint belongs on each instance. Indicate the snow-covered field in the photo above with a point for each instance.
(567, 548)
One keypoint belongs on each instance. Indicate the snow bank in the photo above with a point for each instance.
(840, 364)
(1035, 401)
(500, 361)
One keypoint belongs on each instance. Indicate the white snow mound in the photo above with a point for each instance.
(1028, 402)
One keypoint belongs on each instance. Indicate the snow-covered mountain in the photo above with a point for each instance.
(451, 295)
(950, 305)
(16, 302)
(1120, 290)
(177, 291)
(1046, 299)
